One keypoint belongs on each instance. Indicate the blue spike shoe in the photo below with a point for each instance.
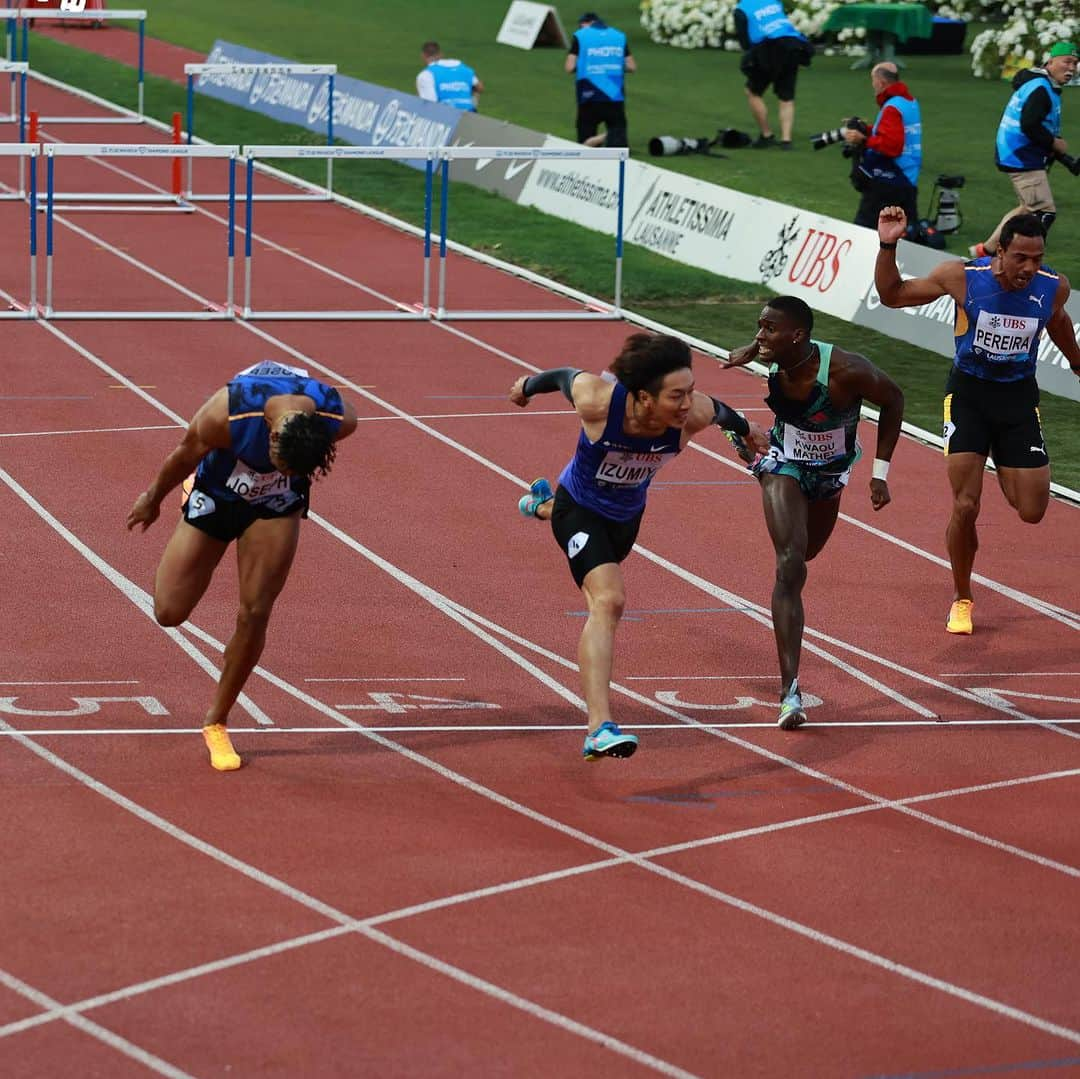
(792, 715)
(539, 492)
(608, 741)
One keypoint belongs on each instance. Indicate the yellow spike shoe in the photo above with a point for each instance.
(222, 755)
(960, 617)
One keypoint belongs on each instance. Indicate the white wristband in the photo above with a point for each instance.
(881, 469)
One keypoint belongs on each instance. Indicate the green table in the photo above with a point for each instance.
(885, 25)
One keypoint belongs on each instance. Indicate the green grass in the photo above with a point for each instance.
(370, 42)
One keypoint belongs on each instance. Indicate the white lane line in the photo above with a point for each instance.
(555, 1018)
(141, 599)
(507, 887)
(539, 728)
(279, 886)
(89, 431)
(96, 682)
(391, 678)
(465, 782)
(95, 1030)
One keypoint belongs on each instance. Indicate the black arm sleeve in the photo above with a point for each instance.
(558, 378)
(729, 419)
(742, 29)
(1036, 109)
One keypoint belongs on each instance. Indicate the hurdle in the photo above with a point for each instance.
(400, 311)
(162, 150)
(25, 15)
(23, 151)
(17, 68)
(447, 154)
(243, 76)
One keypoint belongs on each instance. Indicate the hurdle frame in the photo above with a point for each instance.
(404, 312)
(446, 154)
(20, 68)
(25, 15)
(25, 150)
(283, 68)
(164, 150)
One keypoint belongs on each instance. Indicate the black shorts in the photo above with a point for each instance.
(994, 419)
(772, 62)
(612, 114)
(228, 519)
(588, 539)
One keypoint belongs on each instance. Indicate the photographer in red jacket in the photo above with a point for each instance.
(890, 155)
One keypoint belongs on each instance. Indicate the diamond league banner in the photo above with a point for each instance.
(364, 114)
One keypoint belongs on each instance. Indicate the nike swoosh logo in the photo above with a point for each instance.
(515, 167)
(657, 449)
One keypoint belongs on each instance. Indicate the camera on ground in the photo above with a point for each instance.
(669, 146)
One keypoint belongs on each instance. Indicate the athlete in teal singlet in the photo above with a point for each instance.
(816, 392)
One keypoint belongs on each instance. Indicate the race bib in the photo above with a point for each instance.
(273, 369)
(1004, 337)
(627, 469)
(259, 487)
(814, 447)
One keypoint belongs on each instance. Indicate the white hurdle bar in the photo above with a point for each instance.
(268, 70)
(162, 150)
(17, 105)
(580, 153)
(25, 15)
(401, 312)
(17, 68)
(24, 150)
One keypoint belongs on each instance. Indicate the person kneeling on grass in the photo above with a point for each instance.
(630, 427)
(255, 446)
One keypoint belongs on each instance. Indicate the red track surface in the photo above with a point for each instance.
(732, 901)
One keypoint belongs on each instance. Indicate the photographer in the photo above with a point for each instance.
(886, 170)
(1029, 138)
(773, 53)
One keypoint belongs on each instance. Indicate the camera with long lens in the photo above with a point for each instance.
(1070, 162)
(669, 146)
(827, 138)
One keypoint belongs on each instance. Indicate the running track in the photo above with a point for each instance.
(414, 873)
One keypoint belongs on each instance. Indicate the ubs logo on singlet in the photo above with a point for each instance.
(1004, 336)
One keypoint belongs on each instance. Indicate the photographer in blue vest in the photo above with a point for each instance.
(599, 59)
(1029, 138)
(450, 82)
(886, 171)
(772, 52)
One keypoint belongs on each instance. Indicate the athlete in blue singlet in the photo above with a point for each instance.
(255, 446)
(631, 426)
(816, 392)
(1003, 304)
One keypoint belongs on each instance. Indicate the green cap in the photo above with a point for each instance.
(1064, 48)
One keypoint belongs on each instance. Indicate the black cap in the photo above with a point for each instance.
(589, 16)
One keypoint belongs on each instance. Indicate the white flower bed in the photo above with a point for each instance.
(1031, 24)
(1030, 30)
